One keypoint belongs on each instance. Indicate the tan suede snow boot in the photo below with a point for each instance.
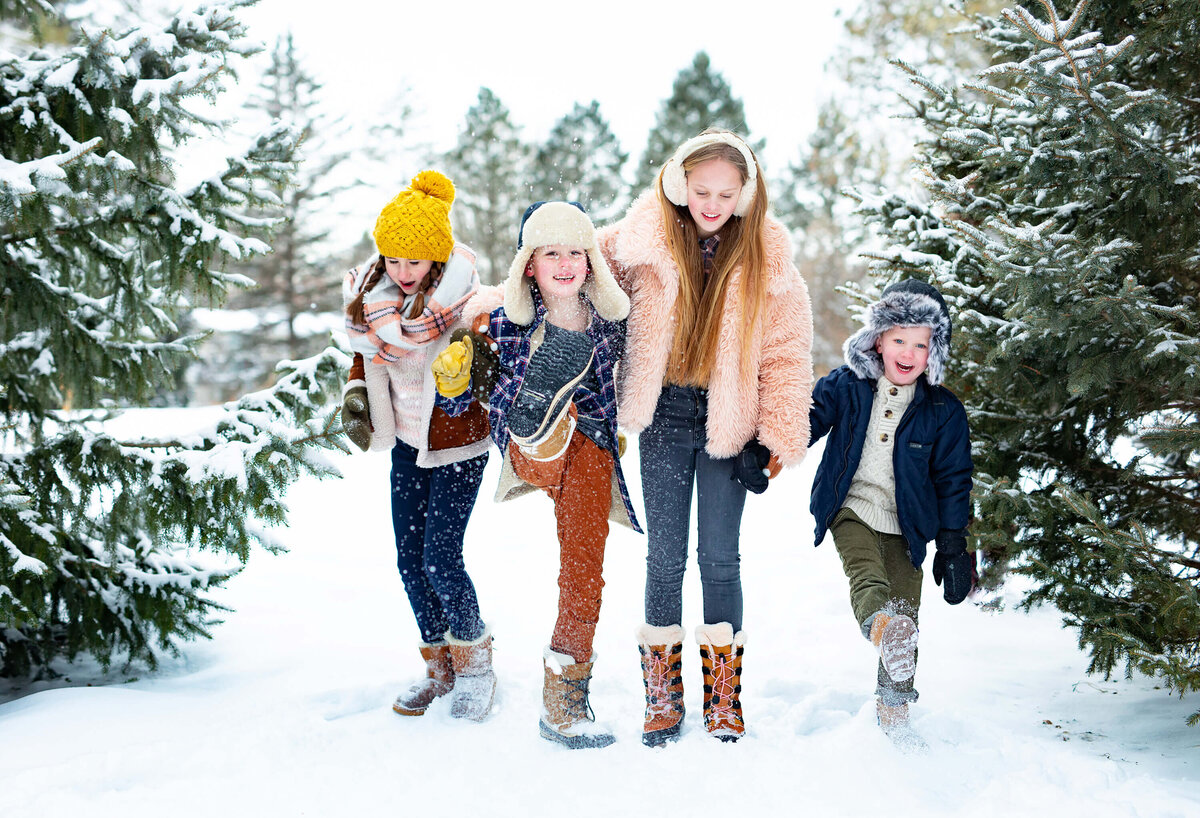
(474, 681)
(567, 716)
(662, 674)
(438, 681)
(721, 659)
(895, 637)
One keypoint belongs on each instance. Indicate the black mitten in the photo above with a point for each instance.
(750, 467)
(954, 564)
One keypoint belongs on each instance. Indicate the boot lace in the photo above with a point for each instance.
(724, 704)
(658, 678)
(576, 699)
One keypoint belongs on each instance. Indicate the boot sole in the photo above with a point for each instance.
(557, 407)
(657, 738)
(574, 742)
(567, 357)
(406, 711)
(897, 648)
(726, 735)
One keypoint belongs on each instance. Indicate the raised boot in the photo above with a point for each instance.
(721, 660)
(662, 674)
(539, 410)
(893, 720)
(895, 637)
(567, 716)
(474, 681)
(438, 681)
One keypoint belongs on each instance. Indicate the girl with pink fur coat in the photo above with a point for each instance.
(717, 379)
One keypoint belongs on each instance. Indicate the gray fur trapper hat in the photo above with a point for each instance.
(567, 223)
(907, 303)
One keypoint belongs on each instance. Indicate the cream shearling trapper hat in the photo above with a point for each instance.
(546, 223)
(674, 180)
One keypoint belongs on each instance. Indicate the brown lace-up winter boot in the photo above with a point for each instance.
(438, 681)
(662, 673)
(893, 720)
(721, 659)
(474, 681)
(567, 717)
(895, 637)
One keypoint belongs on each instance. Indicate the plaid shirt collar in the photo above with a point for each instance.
(708, 250)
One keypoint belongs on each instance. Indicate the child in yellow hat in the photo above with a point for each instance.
(401, 308)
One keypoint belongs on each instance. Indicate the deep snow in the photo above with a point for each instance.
(287, 710)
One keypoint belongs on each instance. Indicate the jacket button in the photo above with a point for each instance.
(887, 413)
(883, 437)
(893, 391)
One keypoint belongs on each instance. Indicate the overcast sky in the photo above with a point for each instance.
(540, 57)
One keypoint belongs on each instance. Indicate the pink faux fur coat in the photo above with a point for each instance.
(767, 395)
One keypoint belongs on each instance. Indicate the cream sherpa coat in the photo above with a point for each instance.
(767, 395)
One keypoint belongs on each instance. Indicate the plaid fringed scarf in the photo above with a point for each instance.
(386, 334)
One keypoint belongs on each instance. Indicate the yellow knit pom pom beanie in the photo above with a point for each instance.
(416, 224)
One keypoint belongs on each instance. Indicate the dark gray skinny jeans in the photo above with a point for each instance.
(672, 460)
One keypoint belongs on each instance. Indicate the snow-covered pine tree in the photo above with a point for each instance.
(809, 201)
(103, 538)
(1066, 233)
(859, 142)
(581, 161)
(700, 98)
(296, 283)
(489, 167)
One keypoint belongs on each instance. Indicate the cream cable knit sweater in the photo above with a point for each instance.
(872, 494)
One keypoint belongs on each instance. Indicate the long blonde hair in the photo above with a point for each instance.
(355, 308)
(700, 304)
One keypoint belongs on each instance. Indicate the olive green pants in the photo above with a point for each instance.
(882, 578)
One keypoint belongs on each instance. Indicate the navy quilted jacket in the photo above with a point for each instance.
(931, 460)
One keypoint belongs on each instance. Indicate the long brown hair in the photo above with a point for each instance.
(355, 308)
(700, 304)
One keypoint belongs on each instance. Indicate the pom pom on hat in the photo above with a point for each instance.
(416, 224)
(434, 184)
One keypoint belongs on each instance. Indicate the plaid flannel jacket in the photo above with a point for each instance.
(514, 343)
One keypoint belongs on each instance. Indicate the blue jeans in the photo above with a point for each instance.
(672, 460)
(430, 509)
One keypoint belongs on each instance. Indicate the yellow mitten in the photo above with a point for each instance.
(621, 443)
(452, 368)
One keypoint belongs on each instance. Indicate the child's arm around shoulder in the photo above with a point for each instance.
(468, 369)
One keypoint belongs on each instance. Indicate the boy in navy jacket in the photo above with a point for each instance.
(896, 473)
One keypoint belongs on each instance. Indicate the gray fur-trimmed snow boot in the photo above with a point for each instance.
(474, 681)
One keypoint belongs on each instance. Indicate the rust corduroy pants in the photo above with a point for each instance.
(580, 484)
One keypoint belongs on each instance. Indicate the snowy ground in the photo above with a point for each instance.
(287, 711)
